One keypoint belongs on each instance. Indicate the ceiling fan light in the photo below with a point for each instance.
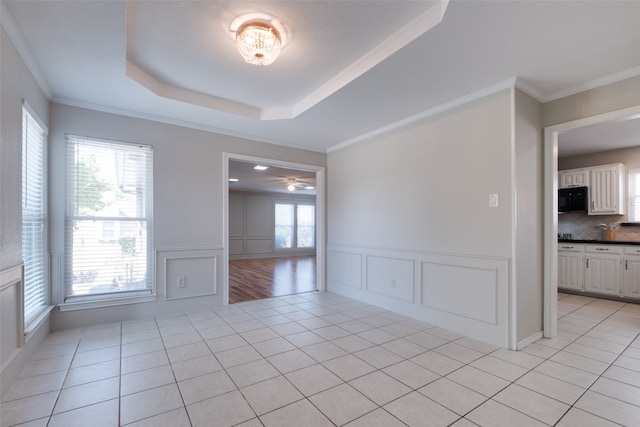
(258, 43)
(291, 187)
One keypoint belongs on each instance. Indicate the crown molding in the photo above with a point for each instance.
(498, 87)
(181, 123)
(593, 84)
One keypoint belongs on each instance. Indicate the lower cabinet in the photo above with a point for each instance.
(571, 266)
(631, 272)
(600, 269)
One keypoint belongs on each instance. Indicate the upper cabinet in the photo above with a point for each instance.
(573, 178)
(606, 187)
(606, 190)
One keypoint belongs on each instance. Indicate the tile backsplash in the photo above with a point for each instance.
(586, 227)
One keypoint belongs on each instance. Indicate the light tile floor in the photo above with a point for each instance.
(319, 359)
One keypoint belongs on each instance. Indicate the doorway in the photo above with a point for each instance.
(289, 257)
(552, 136)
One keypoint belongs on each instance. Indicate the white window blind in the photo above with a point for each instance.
(634, 195)
(295, 222)
(34, 217)
(306, 222)
(109, 218)
(284, 227)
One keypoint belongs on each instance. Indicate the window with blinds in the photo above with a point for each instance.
(108, 221)
(295, 222)
(634, 195)
(34, 217)
(306, 223)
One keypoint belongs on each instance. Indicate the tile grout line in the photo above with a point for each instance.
(326, 305)
(602, 373)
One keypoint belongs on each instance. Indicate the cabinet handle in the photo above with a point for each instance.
(567, 247)
(626, 264)
(602, 249)
(587, 262)
(593, 205)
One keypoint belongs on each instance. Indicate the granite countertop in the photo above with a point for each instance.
(600, 242)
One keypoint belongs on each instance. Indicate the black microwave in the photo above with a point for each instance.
(573, 199)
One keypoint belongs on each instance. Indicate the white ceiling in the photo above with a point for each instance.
(600, 137)
(275, 179)
(349, 69)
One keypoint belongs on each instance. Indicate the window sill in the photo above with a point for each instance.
(88, 303)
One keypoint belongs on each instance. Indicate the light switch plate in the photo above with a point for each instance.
(494, 200)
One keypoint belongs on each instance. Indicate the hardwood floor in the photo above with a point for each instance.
(251, 279)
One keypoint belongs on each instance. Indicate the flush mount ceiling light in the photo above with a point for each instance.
(258, 43)
(259, 38)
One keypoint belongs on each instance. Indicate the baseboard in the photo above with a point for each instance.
(533, 338)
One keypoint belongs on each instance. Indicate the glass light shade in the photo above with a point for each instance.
(258, 43)
(291, 187)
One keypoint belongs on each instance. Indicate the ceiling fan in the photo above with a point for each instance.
(295, 184)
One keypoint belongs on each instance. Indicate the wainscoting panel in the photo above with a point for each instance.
(236, 246)
(392, 277)
(259, 246)
(463, 293)
(463, 290)
(11, 322)
(345, 269)
(196, 268)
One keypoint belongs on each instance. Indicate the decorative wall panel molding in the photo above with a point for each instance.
(392, 277)
(464, 293)
(188, 273)
(236, 246)
(259, 246)
(12, 324)
(345, 268)
(464, 290)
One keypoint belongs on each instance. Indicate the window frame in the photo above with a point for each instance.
(633, 199)
(33, 311)
(72, 301)
(295, 201)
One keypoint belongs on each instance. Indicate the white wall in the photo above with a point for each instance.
(16, 84)
(529, 214)
(630, 157)
(603, 99)
(188, 210)
(409, 223)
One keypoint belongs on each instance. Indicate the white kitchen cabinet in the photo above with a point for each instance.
(573, 178)
(603, 269)
(606, 190)
(631, 272)
(571, 266)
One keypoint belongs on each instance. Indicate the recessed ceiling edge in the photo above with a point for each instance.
(420, 25)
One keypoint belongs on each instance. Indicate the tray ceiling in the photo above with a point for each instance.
(350, 68)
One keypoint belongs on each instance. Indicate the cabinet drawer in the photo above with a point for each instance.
(569, 247)
(604, 249)
(632, 250)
